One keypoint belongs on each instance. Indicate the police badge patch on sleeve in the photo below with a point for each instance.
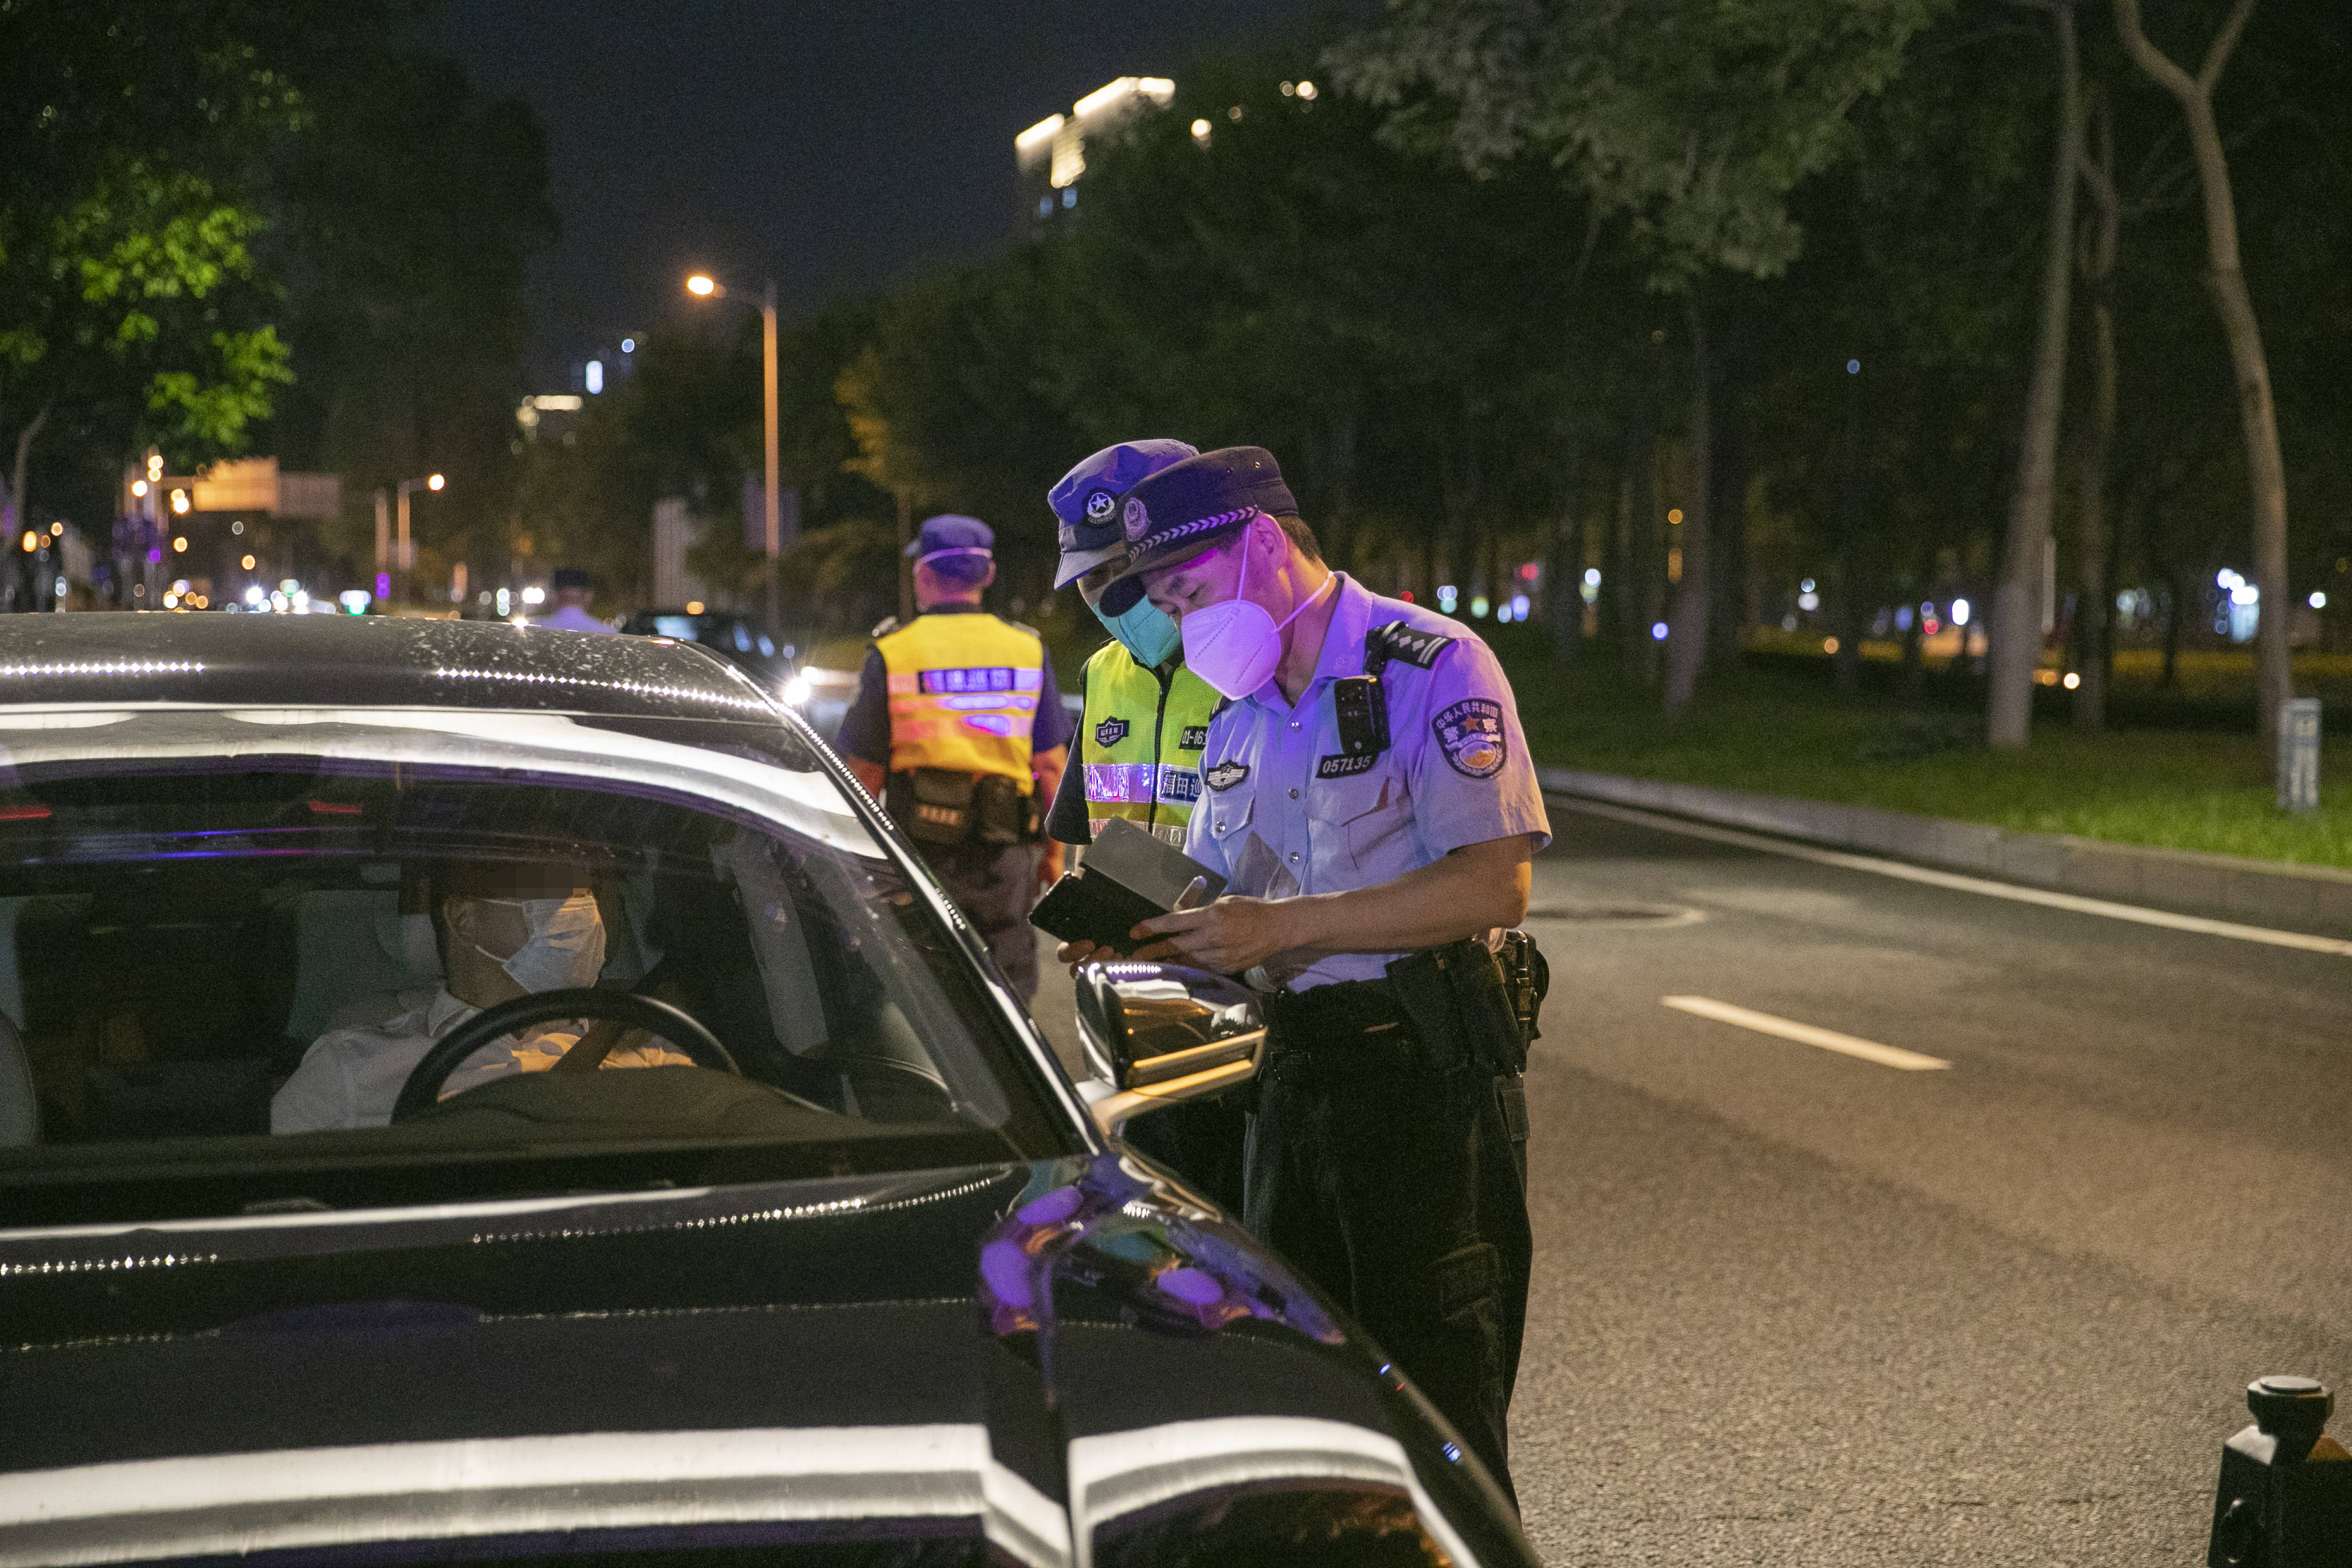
(1471, 731)
(1111, 733)
(1225, 775)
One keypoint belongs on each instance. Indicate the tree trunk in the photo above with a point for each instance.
(1687, 623)
(1564, 572)
(24, 438)
(2096, 258)
(1727, 528)
(2016, 630)
(1845, 602)
(2266, 468)
(1634, 538)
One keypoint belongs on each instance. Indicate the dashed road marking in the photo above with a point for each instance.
(1806, 1033)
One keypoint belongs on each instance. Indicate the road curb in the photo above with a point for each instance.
(2262, 891)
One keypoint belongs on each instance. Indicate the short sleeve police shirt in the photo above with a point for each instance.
(1286, 812)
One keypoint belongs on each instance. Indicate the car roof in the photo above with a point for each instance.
(355, 661)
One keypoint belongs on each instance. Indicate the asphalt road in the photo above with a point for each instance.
(1795, 1306)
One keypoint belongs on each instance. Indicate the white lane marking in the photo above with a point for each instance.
(1788, 1029)
(2336, 946)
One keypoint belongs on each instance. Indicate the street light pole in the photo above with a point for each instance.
(702, 286)
(773, 495)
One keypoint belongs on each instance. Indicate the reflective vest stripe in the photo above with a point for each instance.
(1136, 764)
(963, 693)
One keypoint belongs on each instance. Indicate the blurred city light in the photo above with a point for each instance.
(595, 376)
(1657, 631)
(139, 487)
(1959, 612)
(2319, 601)
(435, 483)
(179, 543)
(702, 286)
(2072, 680)
(247, 563)
(1592, 576)
(31, 542)
(628, 345)
(180, 502)
(1307, 90)
(796, 691)
(1828, 645)
(534, 594)
(254, 597)
(1519, 607)
(1201, 130)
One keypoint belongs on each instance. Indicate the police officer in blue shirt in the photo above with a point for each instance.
(1370, 802)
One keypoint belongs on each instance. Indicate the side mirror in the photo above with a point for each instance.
(1157, 1034)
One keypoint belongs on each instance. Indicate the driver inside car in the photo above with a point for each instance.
(504, 931)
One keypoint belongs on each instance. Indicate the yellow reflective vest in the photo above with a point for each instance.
(963, 694)
(1140, 746)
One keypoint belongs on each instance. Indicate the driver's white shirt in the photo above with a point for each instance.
(352, 1077)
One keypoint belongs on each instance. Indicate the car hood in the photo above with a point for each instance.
(1041, 1348)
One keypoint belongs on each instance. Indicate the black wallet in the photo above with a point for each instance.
(1128, 875)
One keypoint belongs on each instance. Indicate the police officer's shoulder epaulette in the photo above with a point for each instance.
(1398, 640)
(884, 628)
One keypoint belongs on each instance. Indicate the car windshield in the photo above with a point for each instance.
(236, 946)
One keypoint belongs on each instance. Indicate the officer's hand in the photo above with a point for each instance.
(1229, 936)
(1079, 953)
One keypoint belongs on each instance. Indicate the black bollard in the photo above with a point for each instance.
(2285, 1495)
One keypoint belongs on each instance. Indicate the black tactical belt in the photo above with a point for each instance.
(1330, 1017)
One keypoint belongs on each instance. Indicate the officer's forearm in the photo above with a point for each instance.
(1465, 893)
(1047, 766)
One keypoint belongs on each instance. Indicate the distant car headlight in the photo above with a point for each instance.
(796, 691)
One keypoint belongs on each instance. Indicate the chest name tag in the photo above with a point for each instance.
(1111, 733)
(1195, 736)
(1339, 767)
(1225, 775)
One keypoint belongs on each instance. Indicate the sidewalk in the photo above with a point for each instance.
(2316, 898)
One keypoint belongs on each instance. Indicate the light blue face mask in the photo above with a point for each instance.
(1143, 629)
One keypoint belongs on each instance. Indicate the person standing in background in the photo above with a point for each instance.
(572, 590)
(958, 730)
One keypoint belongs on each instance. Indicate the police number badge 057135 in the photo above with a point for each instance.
(1471, 731)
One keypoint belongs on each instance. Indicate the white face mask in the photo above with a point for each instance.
(565, 948)
(1235, 645)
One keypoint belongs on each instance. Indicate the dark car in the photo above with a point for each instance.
(738, 639)
(756, 1222)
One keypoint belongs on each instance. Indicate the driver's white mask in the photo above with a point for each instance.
(566, 946)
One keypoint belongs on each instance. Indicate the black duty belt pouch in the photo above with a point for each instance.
(1001, 813)
(933, 805)
(1454, 996)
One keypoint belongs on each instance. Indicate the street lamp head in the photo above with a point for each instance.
(702, 286)
(435, 483)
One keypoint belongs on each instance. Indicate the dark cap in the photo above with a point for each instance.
(568, 577)
(1086, 500)
(1185, 508)
(948, 534)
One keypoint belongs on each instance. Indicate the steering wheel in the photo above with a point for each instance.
(423, 1090)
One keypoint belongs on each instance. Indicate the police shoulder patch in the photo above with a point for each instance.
(1225, 775)
(1471, 734)
(1414, 647)
(1110, 731)
(1194, 737)
(1340, 766)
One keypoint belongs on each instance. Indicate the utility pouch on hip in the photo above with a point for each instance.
(1002, 814)
(1527, 980)
(1426, 992)
(934, 805)
(1462, 981)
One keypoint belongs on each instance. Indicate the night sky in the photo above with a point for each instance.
(838, 144)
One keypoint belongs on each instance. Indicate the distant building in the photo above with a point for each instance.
(1052, 154)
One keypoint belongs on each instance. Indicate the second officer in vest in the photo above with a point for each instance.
(1139, 735)
(958, 729)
